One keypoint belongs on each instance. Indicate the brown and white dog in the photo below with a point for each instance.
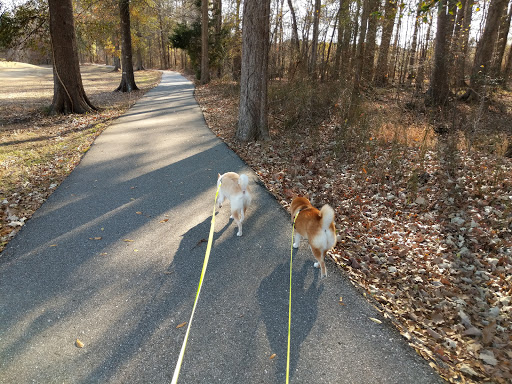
(315, 225)
(235, 188)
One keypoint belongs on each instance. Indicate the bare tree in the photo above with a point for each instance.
(127, 78)
(343, 32)
(461, 41)
(502, 41)
(314, 41)
(381, 72)
(369, 52)
(68, 91)
(359, 62)
(414, 45)
(252, 115)
(205, 68)
(439, 88)
(484, 52)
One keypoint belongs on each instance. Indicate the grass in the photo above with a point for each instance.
(38, 151)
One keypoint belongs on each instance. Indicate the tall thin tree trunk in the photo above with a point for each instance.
(395, 50)
(355, 33)
(507, 72)
(439, 89)
(359, 60)
(381, 72)
(502, 42)
(343, 22)
(217, 26)
(326, 62)
(461, 45)
(422, 60)
(237, 54)
(412, 58)
(484, 52)
(369, 54)
(205, 68)
(314, 42)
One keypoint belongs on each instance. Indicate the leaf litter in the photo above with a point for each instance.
(428, 242)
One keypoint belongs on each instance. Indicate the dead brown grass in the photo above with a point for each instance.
(38, 151)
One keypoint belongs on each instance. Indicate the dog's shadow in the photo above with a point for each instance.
(273, 297)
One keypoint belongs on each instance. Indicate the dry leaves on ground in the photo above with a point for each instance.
(428, 236)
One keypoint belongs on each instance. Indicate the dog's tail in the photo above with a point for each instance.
(243, 181)
(326, 216)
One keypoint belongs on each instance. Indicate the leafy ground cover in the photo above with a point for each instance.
(424, 221)
(38, 151)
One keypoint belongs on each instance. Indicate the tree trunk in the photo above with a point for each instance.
(439, 88)
(369, 54)
(395, 51)
(217, 26)
(484, 52)
(237, 55)
(507, 73)
(68, 91)
(423, 58)
(205, 68)
(359, 62)
(381, 72)
(163, 37)
(128, 78)
(411, 70)
(314, 42)
(252, 115)
(461, 43)
(343, 24)
(295, 31)
(502, 42)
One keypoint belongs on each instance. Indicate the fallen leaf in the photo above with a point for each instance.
(164, 220)
(95, 238)
(272, 356)
(79, 344)
(488, 357)
(488, 333)
(464, 368)
(138, 213)
(181, 325)
(375, 320)
(128, 240)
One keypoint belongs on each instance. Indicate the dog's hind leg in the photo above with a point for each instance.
(238, 222)
(320, 263)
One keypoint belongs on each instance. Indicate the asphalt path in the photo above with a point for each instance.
(113, 258)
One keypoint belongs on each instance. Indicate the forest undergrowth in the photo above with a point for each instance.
(423, 201)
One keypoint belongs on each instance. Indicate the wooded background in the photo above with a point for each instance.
(373, 42)
(441, 50)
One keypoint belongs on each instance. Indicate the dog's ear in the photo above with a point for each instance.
(218, 176)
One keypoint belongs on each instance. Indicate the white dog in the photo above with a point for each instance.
(235, 188)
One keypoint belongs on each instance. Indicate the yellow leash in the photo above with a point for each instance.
(290, 305)
(205, 264)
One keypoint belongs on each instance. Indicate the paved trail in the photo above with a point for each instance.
(114, 256)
